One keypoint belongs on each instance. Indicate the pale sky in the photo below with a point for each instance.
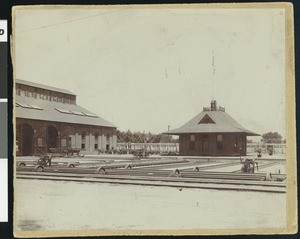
(145, 69)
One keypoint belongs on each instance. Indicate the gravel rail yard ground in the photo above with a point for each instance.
(148, 194)
(61, 205)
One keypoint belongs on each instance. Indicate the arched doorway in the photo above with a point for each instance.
(27, 140)
(52, 135)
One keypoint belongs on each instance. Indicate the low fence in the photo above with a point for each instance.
(174, 147)
(150, 147)
(265, 148)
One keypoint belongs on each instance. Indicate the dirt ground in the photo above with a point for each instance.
(58, 205)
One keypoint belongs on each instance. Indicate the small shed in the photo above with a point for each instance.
(213, 132)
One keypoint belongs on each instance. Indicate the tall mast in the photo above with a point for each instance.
(214, 72)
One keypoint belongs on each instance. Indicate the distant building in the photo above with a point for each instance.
(48, 117)
(212, 133)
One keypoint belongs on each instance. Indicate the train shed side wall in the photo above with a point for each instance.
(37, 137)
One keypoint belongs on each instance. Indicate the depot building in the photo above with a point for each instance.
(49, 117)
(212, 132)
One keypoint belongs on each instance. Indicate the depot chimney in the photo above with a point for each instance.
(213, 105)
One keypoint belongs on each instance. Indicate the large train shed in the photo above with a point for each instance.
(49, 117)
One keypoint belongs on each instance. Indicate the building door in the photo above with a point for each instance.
(107, 141)
(205, 146)
(52, 135)
(27, 140)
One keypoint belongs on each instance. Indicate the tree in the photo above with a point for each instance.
(138, 137)
(272, 138)
(124, 137)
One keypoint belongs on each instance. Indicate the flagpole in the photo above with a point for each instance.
(214, 71)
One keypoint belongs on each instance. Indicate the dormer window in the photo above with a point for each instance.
(206, 120)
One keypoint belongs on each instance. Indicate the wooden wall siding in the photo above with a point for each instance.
(227, 149)
(65, 131)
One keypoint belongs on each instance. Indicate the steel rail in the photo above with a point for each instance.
(153, 173)
(261, 166)
(174, 182)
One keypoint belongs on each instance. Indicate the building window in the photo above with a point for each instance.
(40, 94)
(72, 99)
(34, 94)
(26, 91)
(96, 140)
(63, 142)
(40, 142)
(23, 90)
(67, 99)
(53, 96)
(83, 140)
(31, 92)
(192, 142)
(219, 142)
(60, 97)
(46, 95)
(69, 142)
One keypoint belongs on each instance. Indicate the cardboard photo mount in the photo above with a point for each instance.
(291, 166)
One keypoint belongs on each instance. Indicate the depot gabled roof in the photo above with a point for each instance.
(212, 121)
(37, 109)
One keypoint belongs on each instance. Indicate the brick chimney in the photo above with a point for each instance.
(213, 105)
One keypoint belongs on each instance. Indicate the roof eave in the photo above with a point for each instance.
(178, 133)
(253, 134)
(170, 133)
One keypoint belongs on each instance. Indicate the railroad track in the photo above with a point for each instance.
(151, 173)
(188, 174)
(158, 173)
(217, 165)
(172, 165)
(260, 166)
(134, 177)
(108, 165)
(200, 183)
(267, 165)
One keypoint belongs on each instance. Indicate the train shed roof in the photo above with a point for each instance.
(36, 109)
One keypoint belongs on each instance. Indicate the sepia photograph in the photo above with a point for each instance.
(173, 119)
